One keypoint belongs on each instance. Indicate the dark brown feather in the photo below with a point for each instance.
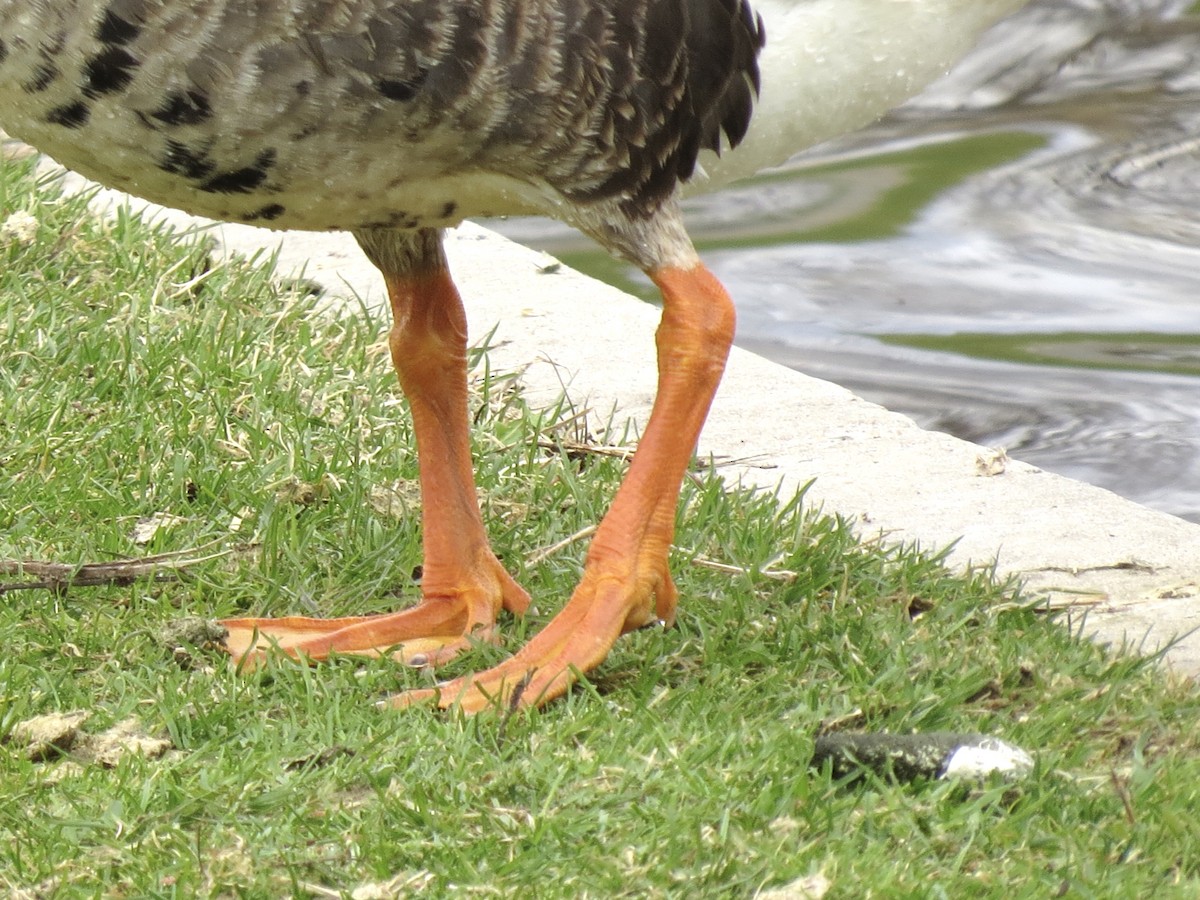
(687, 72)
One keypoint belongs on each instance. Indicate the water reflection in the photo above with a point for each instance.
(1013, 258)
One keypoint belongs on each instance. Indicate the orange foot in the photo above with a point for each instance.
(431, 633)
(606, 604)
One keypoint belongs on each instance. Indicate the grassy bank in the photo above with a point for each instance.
(154, 400)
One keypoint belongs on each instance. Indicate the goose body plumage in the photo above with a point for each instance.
(357, 114)
(394, 119)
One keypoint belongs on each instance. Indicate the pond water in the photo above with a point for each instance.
(1013, 258)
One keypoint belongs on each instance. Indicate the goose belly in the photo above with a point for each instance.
(272, 183)
(264, 120)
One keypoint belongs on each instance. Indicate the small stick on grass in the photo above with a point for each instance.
(514, 703)
(730, 569)
(546, 552)
(578, 448)
(59, 577)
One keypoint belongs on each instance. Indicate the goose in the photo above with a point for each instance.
(396, 119)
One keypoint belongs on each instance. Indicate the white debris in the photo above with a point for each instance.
(987, 757)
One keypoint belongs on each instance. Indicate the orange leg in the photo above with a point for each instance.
(463, 584)
(626, 583)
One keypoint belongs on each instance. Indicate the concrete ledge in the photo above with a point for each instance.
(1134, 572)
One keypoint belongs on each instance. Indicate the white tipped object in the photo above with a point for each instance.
(990, 756)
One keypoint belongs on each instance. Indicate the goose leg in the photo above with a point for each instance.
(626, 583)
(463, 585)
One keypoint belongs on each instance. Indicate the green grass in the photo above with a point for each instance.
(140, 377)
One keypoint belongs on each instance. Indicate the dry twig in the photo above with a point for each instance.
(59, 577)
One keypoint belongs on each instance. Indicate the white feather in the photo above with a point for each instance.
(831, 66)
